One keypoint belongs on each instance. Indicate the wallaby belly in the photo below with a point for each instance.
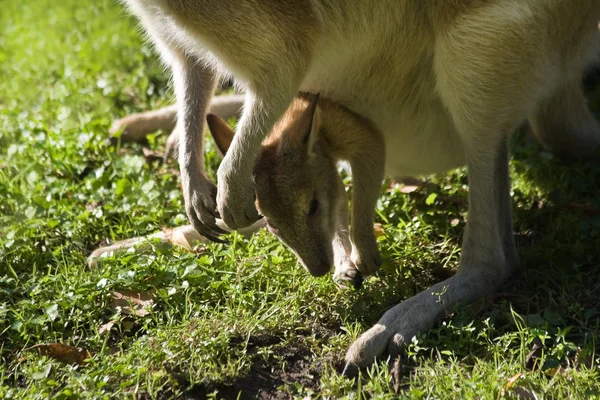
(390, 80)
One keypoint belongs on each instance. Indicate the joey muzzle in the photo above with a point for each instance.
(318, 263)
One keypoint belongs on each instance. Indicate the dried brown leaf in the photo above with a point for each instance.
(379, 230)
(106, 328)
(132, 303)
(512, 380)
(185, 237)
(406, 189)
(151, 155)
(63, 353)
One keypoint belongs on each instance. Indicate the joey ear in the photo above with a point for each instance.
(221, 132)
(312, 115)
(305, 129)
(309, 121)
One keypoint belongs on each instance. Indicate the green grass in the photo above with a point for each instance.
(246, 316)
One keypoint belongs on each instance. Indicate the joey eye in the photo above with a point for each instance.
(313, 208)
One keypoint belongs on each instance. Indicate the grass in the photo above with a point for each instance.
(246, 317)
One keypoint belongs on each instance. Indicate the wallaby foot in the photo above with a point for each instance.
(182, 236)
(396, 329)
(487, 243)
(564, 125)
(134, 128)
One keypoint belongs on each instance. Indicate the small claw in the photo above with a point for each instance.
(215, 228)
(350, 371)
(212, 234)
(215, 213)
(215, 238)
(212, 225)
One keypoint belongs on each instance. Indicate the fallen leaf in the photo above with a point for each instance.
(379, 231)
(185, 237)
(151, 155)
(63, 353)
(406, 185)
(511, 381)
(406, 189)
(106, 328)
(132, 303)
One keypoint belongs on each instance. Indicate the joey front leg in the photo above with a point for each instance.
(367, 175)
(236, 192)
(346, 272)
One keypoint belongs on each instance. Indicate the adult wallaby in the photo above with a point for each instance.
(444, 81)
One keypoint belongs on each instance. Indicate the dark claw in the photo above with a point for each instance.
(214, 228)
(215, 239)
(210, 232)
(207, 233)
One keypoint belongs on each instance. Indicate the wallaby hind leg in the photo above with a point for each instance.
(135, 127)
(484, 113)
(564, 125)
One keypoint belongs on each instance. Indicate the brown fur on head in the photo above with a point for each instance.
(298, 188)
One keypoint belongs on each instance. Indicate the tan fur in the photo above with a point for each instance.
(296, 167)
(444, 82)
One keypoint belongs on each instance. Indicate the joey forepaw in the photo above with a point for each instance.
(235, 197)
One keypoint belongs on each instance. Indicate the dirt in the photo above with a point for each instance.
(266, 380)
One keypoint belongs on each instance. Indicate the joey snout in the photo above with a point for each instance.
(317, 259)
(318, 265)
